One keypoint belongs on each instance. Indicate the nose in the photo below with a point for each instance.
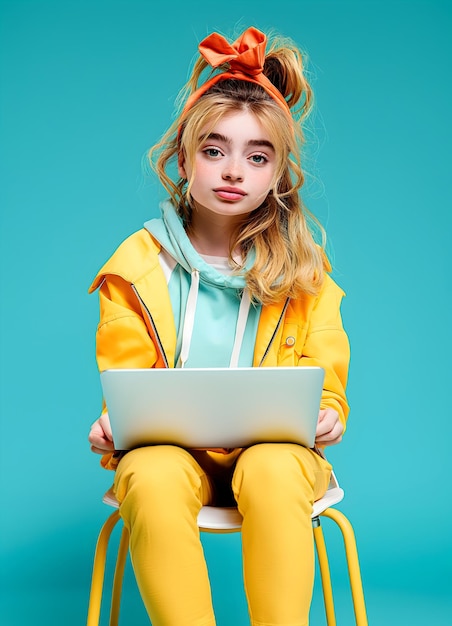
(233, 170)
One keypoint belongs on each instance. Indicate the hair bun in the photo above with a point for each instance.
(284, 68)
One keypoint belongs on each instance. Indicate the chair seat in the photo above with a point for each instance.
(228, 519)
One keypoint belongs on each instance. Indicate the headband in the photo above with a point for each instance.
(246, 57)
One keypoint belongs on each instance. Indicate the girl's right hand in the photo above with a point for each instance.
(100, 436)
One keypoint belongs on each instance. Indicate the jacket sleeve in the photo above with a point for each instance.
(327, 346)
(122, 338)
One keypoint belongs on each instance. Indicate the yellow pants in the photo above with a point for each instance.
(161, 490)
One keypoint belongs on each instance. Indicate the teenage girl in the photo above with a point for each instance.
(229, 276)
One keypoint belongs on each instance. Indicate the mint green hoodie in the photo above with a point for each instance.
(216, 323)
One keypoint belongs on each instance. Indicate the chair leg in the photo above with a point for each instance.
(352, 563)
(324, 572)
(118, 577)
(97, 580)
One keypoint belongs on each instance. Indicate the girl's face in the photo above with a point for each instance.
(234, 167)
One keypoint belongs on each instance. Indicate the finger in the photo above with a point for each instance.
(330, 426)
(97, 450)
(98, 438)
(322, 429)
(328, 418)
(331, 437)
(99, 443)
(327, 441)
(104, 421)
(101, 446)
(325, 426)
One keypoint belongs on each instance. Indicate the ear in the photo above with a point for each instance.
(181, 165)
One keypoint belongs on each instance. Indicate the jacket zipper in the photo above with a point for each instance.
(274, 332)
(154, 327)
(159, 342)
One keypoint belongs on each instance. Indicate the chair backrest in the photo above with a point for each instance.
(216, 519)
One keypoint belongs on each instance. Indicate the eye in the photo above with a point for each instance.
(212, 152)
(259, 159)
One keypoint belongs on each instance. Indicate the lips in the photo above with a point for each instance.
(229, 193)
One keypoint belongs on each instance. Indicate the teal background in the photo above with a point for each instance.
(86, 88)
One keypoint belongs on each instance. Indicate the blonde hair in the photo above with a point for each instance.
(287, 261)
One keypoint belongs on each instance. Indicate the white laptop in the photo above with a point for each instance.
(213, 408)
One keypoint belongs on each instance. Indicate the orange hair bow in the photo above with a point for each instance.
(246, 57)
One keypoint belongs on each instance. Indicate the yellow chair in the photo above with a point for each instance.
(228, 520)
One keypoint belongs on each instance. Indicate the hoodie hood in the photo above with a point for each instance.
(170, 233)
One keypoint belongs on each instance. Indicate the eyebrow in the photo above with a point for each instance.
(251, 142)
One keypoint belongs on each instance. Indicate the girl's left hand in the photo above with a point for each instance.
(329, 428)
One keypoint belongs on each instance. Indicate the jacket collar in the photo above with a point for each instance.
(131, 261)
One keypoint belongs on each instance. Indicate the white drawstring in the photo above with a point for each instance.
(189, 320)
(240, 328)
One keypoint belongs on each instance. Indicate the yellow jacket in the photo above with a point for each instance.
(137, 330)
